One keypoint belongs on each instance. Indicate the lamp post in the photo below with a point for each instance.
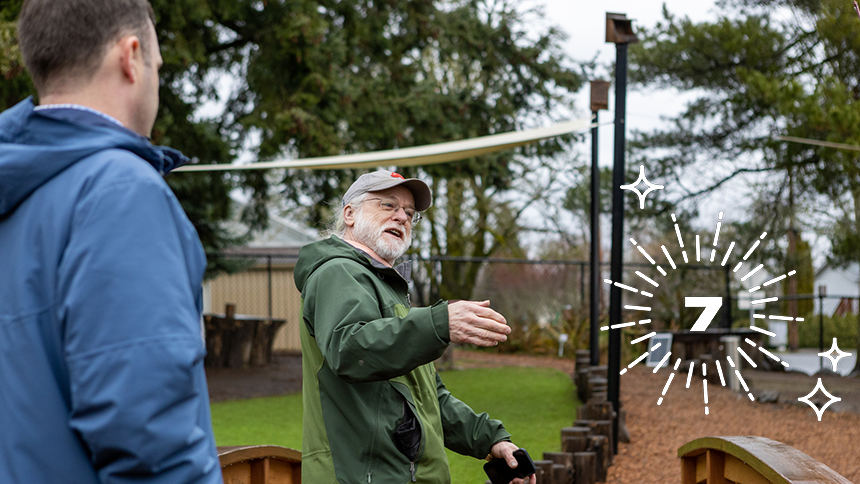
(599, 100)
(619, 30)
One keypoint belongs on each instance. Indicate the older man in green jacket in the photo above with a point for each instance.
(375, 410)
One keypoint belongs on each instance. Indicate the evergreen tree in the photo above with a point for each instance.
(763, 71)
(314, 78)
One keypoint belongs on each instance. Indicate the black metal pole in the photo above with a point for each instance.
(594, 257)
(820, 328)
(618, 173)
(727, 302)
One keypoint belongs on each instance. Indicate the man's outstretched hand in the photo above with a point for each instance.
(475, 323)
(505, 450)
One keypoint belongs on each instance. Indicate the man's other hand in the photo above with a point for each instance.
(475, 323)
(505, 450)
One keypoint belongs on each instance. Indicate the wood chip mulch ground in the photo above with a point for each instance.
(658, 431)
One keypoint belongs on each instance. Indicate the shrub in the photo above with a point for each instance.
(844, 328)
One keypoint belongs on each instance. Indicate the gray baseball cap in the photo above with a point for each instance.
(383, 179)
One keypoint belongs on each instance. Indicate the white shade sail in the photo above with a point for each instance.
(815, 142)
(414, 156)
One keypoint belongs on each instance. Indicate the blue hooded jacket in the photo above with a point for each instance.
(101, 354)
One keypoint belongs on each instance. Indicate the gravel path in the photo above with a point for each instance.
(658, 431)
(281, 377)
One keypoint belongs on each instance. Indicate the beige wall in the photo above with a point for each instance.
(249, 291)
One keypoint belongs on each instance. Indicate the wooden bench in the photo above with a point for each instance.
(260, 464)
(750, 460)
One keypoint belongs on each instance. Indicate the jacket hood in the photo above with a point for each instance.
(312, 256)
(35, 146)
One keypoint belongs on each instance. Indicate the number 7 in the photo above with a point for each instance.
(712, 306)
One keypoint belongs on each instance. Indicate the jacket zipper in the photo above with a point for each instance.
(408, 301)
(373, 442)
(412, 466)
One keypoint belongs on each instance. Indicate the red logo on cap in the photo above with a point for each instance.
(397, 175)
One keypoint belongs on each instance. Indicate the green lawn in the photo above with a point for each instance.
(534, 404)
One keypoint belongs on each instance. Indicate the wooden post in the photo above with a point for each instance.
(716, 467)
(688, 470)
(595, 411)
(583, 359)
(544, 472)
(582, 384)
(597, 444)
(260, 471)
(585, 464)
(574, 444)
(604, 427)
(576, 431)
(597, 384)
(565, 459)
(561, 475)
(233, 337)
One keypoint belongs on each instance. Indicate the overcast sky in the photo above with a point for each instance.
(585, 24)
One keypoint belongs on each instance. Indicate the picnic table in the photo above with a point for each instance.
(689, 345)
(239, 340)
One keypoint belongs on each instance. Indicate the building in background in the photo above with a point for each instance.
(266, 288)
(839, 281)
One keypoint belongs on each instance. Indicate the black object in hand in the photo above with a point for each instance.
(499, 472)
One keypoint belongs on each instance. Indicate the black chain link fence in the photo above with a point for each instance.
(820, 319)
(546, 302)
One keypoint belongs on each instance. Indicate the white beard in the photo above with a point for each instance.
(373, 237)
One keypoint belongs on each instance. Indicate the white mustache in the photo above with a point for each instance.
(399, 228)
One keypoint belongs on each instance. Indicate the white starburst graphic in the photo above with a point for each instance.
(819, 411)
(834, 349)
(651, 187)
(710, 305)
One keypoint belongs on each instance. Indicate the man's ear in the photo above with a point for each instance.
(349, 215)
(129, 54)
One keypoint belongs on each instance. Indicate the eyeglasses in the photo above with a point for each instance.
(389, 205)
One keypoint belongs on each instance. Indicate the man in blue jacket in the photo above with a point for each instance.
(101, 376)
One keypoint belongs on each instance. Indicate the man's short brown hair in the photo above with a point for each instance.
(68, 39)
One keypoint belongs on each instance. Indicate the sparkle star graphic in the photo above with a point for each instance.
(819, 411)
(651, 187)
(829, 354)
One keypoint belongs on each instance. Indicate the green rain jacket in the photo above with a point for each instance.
(367, 372)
